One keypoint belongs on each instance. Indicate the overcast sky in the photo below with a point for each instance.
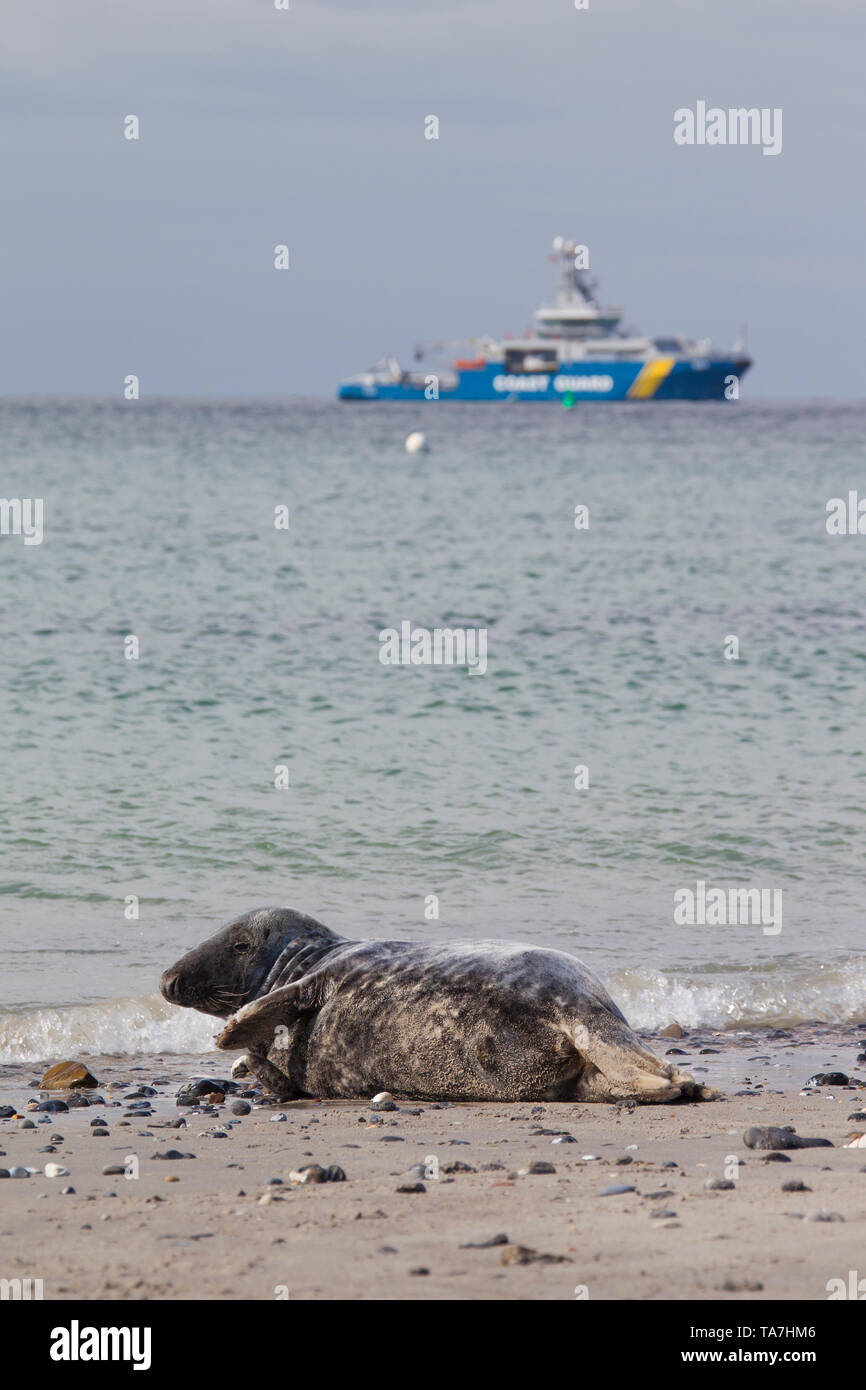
(306, 127)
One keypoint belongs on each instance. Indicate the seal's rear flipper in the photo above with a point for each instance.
(256, 1024)
(619, 1067)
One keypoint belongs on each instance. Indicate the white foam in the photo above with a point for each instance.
(804, 992)
(140, 1026)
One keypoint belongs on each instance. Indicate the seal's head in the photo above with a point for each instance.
(241, 962)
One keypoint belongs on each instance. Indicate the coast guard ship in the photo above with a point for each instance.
(576, 351)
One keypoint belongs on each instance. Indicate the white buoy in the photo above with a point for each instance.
(416, 443)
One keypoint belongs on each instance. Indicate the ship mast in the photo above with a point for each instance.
(574, 283)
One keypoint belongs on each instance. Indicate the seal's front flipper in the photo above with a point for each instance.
(256, 1025)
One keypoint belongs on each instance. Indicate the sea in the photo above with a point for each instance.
(196, 719)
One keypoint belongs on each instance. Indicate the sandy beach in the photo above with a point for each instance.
(218, 1226)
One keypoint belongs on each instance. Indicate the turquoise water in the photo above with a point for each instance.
(259, 647)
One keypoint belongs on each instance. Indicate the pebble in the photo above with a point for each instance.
(824, 1214)
(795, 1185)
(383, 1101)
(240, 1107)
(171, 1153)
(828, 1078)
(201, 1086)
(100, 1133)
(278, 1119)
(525, 1255)
(500, 1239)
(538, 1165)
(7, 1112)
(775, 1158)
(773, 1137)
(64, 1076)
(719, 1185)
(314, 1172)
(19, 1172)
(27, 1124)
(411, 1187)
(662, 1215)
(858, 1117)
(617, 1189)
(56, 1170)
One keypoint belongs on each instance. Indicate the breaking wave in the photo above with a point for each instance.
(782, 995)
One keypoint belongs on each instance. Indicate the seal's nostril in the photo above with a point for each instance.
(170, 986)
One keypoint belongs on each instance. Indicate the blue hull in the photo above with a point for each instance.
(659, 379)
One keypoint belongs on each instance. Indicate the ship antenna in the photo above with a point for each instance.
(572, 279)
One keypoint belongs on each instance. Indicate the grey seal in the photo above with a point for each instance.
(322, 1015)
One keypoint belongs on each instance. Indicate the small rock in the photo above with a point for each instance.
(525, 1255)
(100, 1133)
(795, 1185)
(673, 1030)
(411, 1187)
(19, 1172)
(500, 1239)
(824, 1214)
(56, 1170)
(192, 1091)
(240, 1107)
(171, 1153)
(617, 1189)
(772, 1137)
(719, 1185)
(383, 1101)
(828, 1078)
(538, 1165)
(67, 1076)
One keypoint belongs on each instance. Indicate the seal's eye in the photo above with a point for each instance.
(242, 945)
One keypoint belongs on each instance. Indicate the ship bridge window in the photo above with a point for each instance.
(531, 359)
(668, 344)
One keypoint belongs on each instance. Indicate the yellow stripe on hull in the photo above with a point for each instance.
(649, 378)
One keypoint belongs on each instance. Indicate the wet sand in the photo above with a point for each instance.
(209, 1235)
